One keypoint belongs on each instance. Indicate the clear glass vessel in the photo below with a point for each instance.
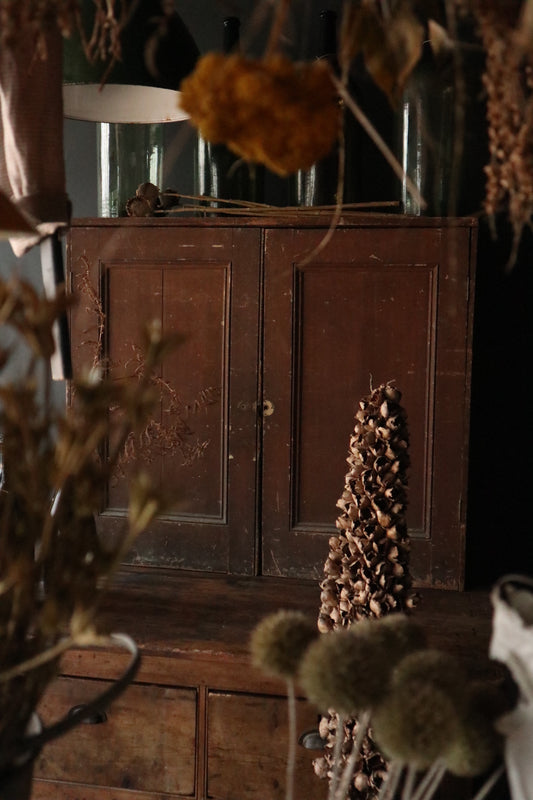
(128, 154)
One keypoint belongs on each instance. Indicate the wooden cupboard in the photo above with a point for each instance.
(199, 721)
(285, 328)
(257, 404)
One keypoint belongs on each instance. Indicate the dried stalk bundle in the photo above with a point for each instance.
(101, 43)
(367, 573)
(53, 566)
(508, 80)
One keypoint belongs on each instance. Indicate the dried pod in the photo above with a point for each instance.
(374, 570)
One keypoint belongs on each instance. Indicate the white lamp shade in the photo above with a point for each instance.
(157, 52)
(121, 103)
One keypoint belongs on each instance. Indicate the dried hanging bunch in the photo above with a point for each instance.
(366, 573)
(505, 30)
(271, 111)
(102, 42)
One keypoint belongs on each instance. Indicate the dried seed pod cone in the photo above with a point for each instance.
(366, 572)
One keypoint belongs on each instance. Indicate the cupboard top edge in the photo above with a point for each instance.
(320, 220)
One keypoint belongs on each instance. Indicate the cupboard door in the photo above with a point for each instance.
(373, 305)
(202, 284)
(146, 744)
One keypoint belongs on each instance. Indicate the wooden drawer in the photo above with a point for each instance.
(247, 742)
(147, 744)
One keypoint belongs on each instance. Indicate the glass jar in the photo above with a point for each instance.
(128, 154)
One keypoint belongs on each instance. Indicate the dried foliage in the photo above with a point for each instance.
(53, 566)
(101, 43)
(229, 98)
(174, 432)
(390, 42)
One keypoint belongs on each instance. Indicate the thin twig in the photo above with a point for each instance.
(386, 152)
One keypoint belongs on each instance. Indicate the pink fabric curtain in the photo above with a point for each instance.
(32, 170)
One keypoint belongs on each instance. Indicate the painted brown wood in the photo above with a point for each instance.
(367, 308)
(203, 287)
(241, 759)
(147, 743)
(388, 297)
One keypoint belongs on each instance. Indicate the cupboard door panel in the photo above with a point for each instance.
(147, 743)
(371, 306)
(247, 745)
(202, 285)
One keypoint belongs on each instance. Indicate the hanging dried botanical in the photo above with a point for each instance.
(504, 27)
(102, 42)
(271, 111)
(366, 573)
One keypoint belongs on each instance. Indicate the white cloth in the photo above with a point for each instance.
(512, 644)
(32, 170)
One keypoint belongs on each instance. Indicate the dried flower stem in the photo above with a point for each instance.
(337, 757)
(429, 783)
(291, 753)
(392, 779)
(489, 783)
(351, 763)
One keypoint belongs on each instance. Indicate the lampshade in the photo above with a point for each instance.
(158, 51)
(12, 221)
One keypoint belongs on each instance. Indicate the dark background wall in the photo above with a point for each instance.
(499, 535)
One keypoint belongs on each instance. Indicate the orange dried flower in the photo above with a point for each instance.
(275, 112)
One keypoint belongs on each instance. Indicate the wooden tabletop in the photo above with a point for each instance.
(169, 611)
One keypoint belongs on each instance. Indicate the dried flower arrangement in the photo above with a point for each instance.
(389, 37)
(428, 717)
(302, 98)
(54, 568)
(395, 712)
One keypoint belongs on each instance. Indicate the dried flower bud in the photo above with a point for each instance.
(417, 726)
(348, 670)
(478, 743)
(279, 641)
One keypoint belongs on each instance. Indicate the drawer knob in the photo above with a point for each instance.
(94, 718)
(311, 740)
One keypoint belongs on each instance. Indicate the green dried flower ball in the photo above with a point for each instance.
(279, 641)
(420, 719)
(474, 750)
(346, 670)
(431, 666)
(395, 633)
(416, 724)
(478, 743)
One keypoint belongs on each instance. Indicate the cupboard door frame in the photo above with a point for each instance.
(441, 259)
(108, 264)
